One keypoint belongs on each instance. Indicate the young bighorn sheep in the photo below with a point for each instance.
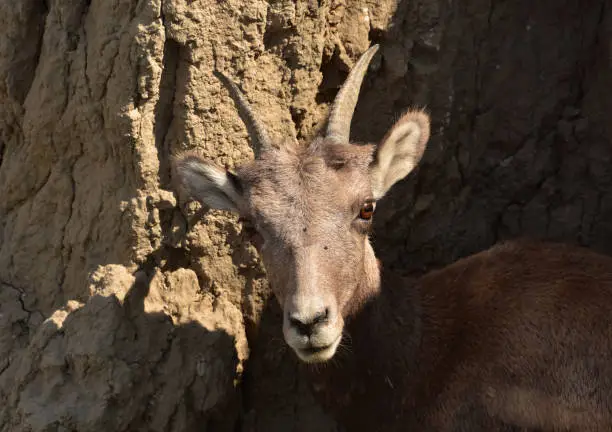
(518, 337)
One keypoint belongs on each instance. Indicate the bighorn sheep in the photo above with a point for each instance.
(518, 337)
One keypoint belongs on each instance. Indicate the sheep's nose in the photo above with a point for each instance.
(306, 326)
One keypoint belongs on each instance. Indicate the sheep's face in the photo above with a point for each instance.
(309, 210)
(312, 211)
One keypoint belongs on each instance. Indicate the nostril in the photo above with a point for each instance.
(296, 322)
(321, 317)
(306, 327)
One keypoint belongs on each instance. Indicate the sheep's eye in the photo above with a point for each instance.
(367, 210)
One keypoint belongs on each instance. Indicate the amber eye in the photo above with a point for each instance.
(367, 210)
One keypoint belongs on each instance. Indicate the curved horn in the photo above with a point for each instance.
(259, 137)
(339, 123)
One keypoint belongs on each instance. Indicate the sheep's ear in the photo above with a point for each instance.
(204, 181)
(399, 151)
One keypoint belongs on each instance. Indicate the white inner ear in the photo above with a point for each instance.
(399, 152)
(209, 184)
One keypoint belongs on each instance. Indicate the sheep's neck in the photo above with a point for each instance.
(378, 353)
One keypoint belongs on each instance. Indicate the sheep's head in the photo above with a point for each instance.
(310, 210)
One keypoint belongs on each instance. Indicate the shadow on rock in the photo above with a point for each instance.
(145, 352)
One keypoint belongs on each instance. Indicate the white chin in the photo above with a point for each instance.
(318, 356)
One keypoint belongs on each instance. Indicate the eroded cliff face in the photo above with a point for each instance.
(124, 307)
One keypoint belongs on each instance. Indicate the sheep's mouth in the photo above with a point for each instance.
(318, 354)
(314, 350)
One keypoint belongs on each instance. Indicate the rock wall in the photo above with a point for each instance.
(123, 307)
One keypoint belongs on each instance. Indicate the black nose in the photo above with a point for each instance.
(306, 327)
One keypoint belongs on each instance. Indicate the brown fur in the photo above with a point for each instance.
(518, 337)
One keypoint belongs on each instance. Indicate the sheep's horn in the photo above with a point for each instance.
(259, 137)
(339, 123)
